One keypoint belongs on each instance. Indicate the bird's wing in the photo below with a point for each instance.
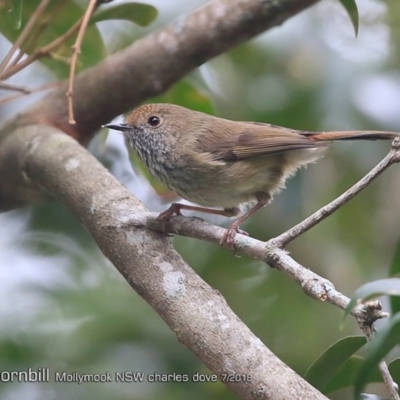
(243, 140)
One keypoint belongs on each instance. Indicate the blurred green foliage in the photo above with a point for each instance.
(63, 306)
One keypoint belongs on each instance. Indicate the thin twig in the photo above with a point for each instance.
(47, 86)
(17, 59)
(369, 332)
(324, 212)
(9, 86)
(76, 49)
(24, 34)
(388, 379)
(41, 51)
(25, 46)
(30, 43)
(312, 284)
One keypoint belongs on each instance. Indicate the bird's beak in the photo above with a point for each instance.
(118, 127)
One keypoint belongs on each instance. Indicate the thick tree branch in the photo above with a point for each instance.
(120, 225)
(197, 313)
(150, 65)
(34, 157)
(146, 68)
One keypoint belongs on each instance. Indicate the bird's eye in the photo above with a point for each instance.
(154, 121)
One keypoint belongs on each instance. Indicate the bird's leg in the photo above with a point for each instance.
(176, 208)
(228, 239)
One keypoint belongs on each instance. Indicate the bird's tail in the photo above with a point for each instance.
(353, 135)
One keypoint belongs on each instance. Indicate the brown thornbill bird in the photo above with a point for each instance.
(215, 162)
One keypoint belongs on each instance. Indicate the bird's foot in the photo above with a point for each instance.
(169, 212)
(230, 234)
(166, 215)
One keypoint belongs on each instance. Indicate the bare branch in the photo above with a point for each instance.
(136, 73)
(291, 234)
(76, 49)
(391, 385)
(10, 98)
(24, 34)
(312, 284)
(41, 52)
(9, 86)
(369, 331)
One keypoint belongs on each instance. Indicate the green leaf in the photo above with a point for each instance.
(58, 18)
(325, 367)
(141, 14)
(383, 342)
(347, 373)
(352, 11)
(390, 287)
(395, 267)
(395, 271)
(394, 369)
(14, 13)
(186, 93)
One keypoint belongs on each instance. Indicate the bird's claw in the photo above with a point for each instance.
(229, 237)
(168, 213)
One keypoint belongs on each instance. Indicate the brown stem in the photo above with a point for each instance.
(24, 34)
(41, 52)
(9, 86)
(76, 49)
(47, 86)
